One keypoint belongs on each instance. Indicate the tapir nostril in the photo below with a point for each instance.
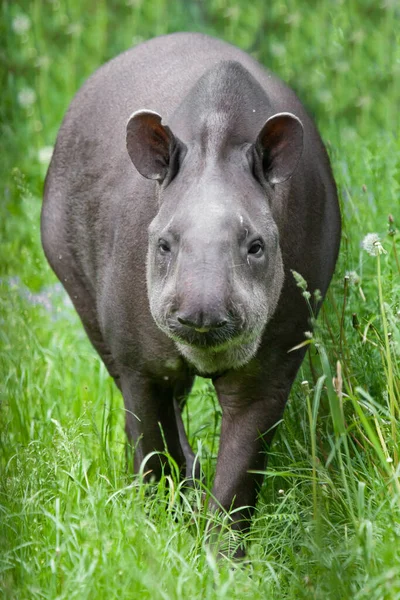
(220, 324)
(202, 325)
(187, 322)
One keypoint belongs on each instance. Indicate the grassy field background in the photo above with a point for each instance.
(74, 521)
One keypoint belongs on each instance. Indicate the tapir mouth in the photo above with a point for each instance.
(204, 337)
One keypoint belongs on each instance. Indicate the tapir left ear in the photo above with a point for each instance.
(279, 145)
(151, 146)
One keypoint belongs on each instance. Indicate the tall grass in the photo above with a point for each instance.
(75, 522)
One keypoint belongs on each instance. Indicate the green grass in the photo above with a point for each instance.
(74, 521)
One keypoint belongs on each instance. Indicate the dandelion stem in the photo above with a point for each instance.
(393, 406)
(342, 335)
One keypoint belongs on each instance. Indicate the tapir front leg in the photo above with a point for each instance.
(251, 409)
(246, 432)
(151, 424)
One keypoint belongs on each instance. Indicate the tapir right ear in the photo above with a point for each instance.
(151, 145)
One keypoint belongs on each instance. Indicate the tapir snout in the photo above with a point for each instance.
(204, 313)
(204, 321)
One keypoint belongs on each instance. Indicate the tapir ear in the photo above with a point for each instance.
(151, 145)
(280, 146)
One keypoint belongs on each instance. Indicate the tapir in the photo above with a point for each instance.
(186, 184)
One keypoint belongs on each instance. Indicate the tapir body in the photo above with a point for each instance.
(180, 263)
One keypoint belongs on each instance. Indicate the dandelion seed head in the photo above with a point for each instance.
(74, 29)
(372, 244)
(358, 36)
(26, 97)
(368, 243)
(294, 19)
(42, 62)
(21, 24)
(45, 154)
(278, 49)
(137, 39)
(325, 96)
(353, 277)
(233, 12)
(364, 101)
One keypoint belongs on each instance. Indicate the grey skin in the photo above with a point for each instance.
(182, 265)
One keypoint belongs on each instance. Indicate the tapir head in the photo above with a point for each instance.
(214, 265)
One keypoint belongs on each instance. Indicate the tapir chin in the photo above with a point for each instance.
(180, 263)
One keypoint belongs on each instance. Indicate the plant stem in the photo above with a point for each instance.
(393, 405)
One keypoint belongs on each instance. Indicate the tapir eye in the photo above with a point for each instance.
(163, 246)
(256, 248)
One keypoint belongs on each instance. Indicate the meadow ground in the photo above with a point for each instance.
(74, 521)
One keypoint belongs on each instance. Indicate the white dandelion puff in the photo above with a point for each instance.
(294, 19)
(21, 24)
(278, 49)
(45, 154)
(74, 29)
(325, 96)
(26, 97)
(137, 39)
(353, 277)
(42, 62)
(372, 244)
